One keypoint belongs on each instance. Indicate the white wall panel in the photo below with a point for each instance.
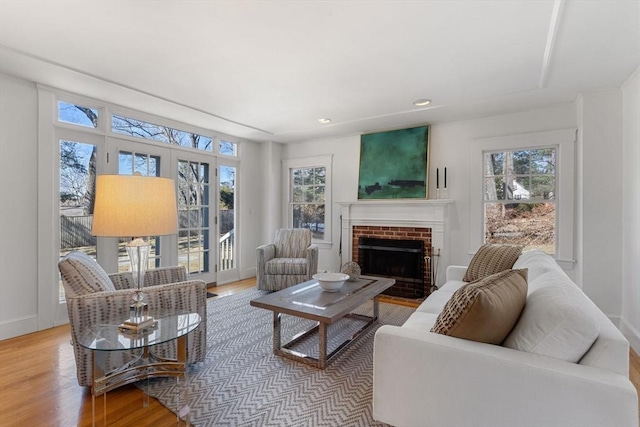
(18, 207)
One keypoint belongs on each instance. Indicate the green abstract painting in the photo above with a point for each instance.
(393, 164)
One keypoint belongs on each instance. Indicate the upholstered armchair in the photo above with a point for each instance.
(289, 260)
(93, 297)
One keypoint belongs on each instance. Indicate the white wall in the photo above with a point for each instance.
(451, 144)
(630, 321)
(18, 207)
(251, 205)
(600, 201)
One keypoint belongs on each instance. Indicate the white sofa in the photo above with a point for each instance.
(427, 379)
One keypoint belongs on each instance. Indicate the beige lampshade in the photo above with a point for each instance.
(134, 206)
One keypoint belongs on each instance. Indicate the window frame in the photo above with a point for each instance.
(309, 162)
(564, 140)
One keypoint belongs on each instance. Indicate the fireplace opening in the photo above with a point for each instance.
(402, 260)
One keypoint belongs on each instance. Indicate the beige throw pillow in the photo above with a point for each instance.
(491, 259)
(485, 310)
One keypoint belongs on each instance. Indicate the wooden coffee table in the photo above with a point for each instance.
(308, 301)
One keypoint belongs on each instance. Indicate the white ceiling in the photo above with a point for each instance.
(268, 70)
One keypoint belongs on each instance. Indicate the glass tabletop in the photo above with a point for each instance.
(108, 337)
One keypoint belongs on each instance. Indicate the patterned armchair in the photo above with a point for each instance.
(289, 260)
(94, 297)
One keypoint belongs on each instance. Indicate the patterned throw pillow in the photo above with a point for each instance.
(491, 259)
(485, 310)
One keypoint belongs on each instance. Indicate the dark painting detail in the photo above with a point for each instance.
(393, 164)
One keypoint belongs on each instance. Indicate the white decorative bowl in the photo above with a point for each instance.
(331, 282)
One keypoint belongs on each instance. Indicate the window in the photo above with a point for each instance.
(545, 181)
(308, 199)
(141, 129)
(77, 115)
(519, 197)
(228, 148)
(308, 190)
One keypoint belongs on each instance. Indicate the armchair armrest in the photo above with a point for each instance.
(424, 378)
(312, 260)
(456, 272)
(265, 253)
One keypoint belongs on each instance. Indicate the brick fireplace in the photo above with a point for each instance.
(423, 220)
(408, 285)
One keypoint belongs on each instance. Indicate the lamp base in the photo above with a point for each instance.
(129, 326)
(140, 319)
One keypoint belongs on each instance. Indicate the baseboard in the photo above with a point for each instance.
(249, 272)
(632, 334)
(15, 327)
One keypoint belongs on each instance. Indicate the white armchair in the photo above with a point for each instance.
(289, 260)
(94, 297)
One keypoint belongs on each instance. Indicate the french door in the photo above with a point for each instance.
(196, 248)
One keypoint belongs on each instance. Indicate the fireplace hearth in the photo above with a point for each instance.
(402, 260)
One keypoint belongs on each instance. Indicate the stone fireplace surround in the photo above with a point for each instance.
(397, 219)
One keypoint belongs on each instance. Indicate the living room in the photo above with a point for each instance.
(591, 88)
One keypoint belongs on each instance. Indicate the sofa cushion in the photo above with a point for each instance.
(537, 262)
(282, 266)
(436, 301)
(420, 321)
(491, 259)
(81, 275)
(485, 310)
(556, 322)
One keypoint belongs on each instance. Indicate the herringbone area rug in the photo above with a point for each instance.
(242, 383)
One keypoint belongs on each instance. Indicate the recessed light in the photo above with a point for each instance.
(421, 102)
(325, 120)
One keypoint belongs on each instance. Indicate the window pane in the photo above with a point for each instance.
(308, 194)
(520, 162)
(319, 194)
(228, 148)
(298, 195)
(518, 189)
(543, 187)
(494, 164)
(494, 188)
(319, 174)
(77, 114)
(528, 224)
(141, 129)
(307, 176)
(543, 161)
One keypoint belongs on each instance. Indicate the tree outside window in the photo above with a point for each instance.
(520, 198)
(308, 199)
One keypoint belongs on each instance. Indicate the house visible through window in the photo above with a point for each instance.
(308, 199)
(520, 197)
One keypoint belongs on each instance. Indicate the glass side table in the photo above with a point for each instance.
(107, 337)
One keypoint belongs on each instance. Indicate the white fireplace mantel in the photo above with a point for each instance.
(433, 214)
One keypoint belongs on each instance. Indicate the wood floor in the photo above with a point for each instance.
(38, 384)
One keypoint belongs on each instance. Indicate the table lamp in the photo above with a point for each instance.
(135, 206)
